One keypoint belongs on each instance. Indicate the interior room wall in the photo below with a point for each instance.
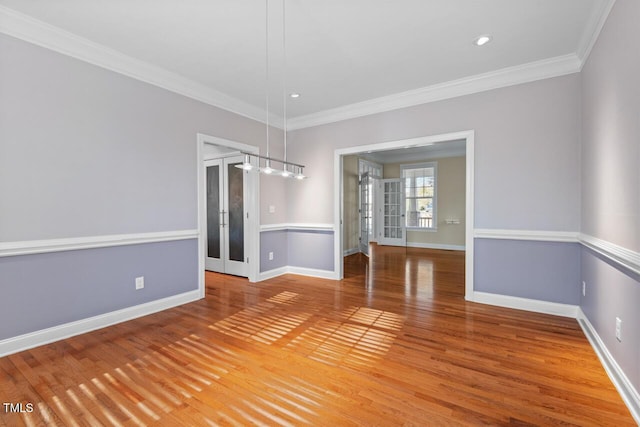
(520, 130)
(611, 187)
(527, 168)
(84, 153)
(450, 204)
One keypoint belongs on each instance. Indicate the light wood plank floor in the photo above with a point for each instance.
(394, 343)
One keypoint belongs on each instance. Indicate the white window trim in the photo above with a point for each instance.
(433, 165)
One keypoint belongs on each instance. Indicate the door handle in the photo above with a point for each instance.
(222, 224)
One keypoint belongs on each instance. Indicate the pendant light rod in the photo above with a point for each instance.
(284, 77)
(289, 169)
(267, 158)
(266, 65)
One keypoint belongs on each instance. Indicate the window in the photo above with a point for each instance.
(420, 195)
(374, 169)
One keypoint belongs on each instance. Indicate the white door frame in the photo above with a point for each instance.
(253, 208)
(225, 264)
(338, 208)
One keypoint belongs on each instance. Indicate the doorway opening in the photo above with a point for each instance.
(226, 216)
(228, 210)
(404, 200)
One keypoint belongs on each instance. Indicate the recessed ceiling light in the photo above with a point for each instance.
(482, 40)
(294, 95)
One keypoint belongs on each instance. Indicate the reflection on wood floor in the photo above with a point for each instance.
(394, 343)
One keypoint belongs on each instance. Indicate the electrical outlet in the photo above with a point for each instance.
(584, 288)
(619, 329)
(139, 282)
(270, 256)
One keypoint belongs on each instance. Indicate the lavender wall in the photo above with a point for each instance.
(613, 292)
(527, 165)
(611, 181)
(520, 131)
(311, 249)
(87, 152)
(45, 290)
(544, 271)
(275, 241)
(611, 131)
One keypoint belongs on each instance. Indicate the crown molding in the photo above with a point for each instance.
(34, 31)
(544, 69)
(593, 29)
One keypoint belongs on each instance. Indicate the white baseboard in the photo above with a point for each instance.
(546, 307)
(264, 275)
(436, 246)
(301, 271)
(57, 333)
(312, 272)
(350, 251)
(628, 393)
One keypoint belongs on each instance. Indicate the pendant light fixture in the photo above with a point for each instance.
(253, 162)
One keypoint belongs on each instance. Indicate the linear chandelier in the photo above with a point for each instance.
(253, 162)
(262, 164)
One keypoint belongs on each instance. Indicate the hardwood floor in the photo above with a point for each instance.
(394, 343)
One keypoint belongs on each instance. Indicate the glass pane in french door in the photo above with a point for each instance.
(213, 211)
(236, 212)
(392, 210)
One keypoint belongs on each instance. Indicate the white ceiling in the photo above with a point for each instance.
(339, 52)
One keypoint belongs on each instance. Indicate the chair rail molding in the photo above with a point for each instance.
(297, 227)
(30, 247)
(621, 256)
(534, 235)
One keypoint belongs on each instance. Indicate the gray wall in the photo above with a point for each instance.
(527, 143)
(85, 151)
(527, 166)
(611, 181)
(46, 290)
(311, 249)
(527, 269)
(88, 152)
(275, 241)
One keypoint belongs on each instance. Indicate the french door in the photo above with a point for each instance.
(226, 217)
(392, 214)
(366, 211)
